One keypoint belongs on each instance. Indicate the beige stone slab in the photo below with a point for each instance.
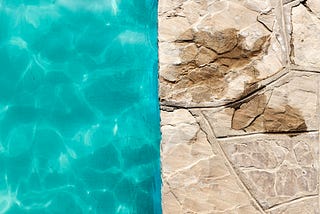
(183, 144)
(308, 205)
(306, 36)
(314, 6)
(196, 177)
(215, 52)
(208, 187)
(287, 105)
(276, 169)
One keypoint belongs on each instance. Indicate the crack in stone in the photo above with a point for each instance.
(261, 22)
(304, 3)
(268, 133)
(233, 172)
(292, 201)
(174, 195)
(262, 88)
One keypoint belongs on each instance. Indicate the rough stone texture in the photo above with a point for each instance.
(275, 168)
(239, 92)
(306, 35)
(287, 105)
(308, 205)
(213, 52)
(197, 178)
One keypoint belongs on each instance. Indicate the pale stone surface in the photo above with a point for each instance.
(309, 205)
(196, 178)
(239, 91)
(183, 143)
(306, 37)
(314, 6)
(276, 169)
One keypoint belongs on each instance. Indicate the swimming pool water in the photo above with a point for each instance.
(79, 115)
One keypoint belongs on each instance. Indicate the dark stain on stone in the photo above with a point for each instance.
(220, 41)
(245, 114)
(289, 120)
(222, 52)
(256, 116)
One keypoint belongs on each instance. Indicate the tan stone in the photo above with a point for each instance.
(170, 203)
(276, 169)
(267, 19)
(314, 6)
(205, 56)
(248, 112)
(281, 108)
(188, 53)
(307, 205)
(167, 6)
(208, 187)
(196, 177)
(306, 37)
(219, 41)
(172, 27)
(178, 127)
(239, 87)
(193, 10)
(234, 51)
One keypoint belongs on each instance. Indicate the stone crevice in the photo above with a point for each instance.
(292, 133)
(260, 89)
(285, 34)
(221, 151)
(305, 197)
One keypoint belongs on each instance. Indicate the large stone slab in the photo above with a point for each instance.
(277, 169)
(314, 6)
(287, 105)
(215, 52)
(308, 205)
(196, 176)
(306, 35)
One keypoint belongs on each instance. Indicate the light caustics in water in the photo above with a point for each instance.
(79, 118)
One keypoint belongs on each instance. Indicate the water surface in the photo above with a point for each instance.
(79, 119)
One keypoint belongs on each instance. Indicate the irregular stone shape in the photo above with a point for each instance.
(166, 6)
(280, 108)
(308, 205)
(207, 187)
(168, 32)
(215, 52)
(189, 53)
(306, 39)
(178, 127)
(276, 169)
(314, 6)
(220, 41)
(183, 143)
(170, 203)
(196, 178)
(205, 56)
(248, 112)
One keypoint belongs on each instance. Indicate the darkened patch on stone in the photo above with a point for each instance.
(249, 89)
(208, 59)
(277, 120)
(246, 114)
(220, 41)
(254, 115)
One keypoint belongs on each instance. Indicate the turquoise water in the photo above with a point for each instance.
(79, 118)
